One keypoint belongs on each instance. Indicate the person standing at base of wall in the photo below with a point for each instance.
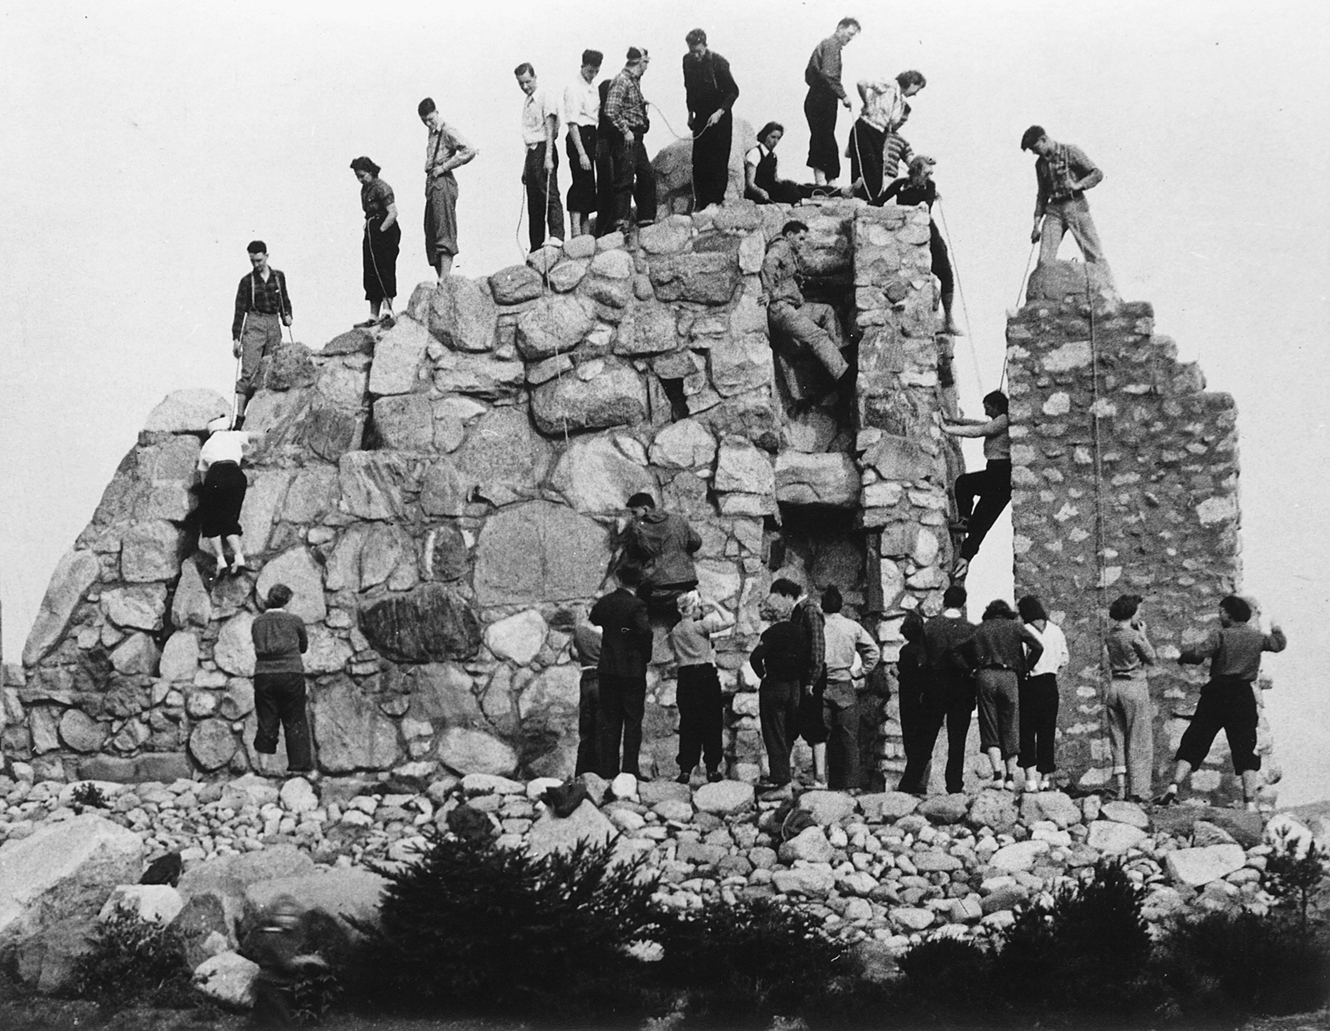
(698, 694)
(1039, 696)
(279, 681)
(586, 650)
(1127, 705)
(822, 75)
(808, 615)
(948, 695)
(711, 91)
(851, 655)
(662, 544)
(997, 653)
(1228, 700)
(625, 649)
(780, 660)
(581, 114)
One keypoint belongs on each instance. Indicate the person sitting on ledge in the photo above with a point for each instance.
(1064, 173)
(1228, 701)
(795, 324)
(762, 182)
(662, 545)
(992, 487)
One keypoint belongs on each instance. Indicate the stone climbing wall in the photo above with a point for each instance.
(443, 496)
(1125, 480)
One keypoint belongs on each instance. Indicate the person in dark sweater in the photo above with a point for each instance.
(711, 92)
(662, 544)
(279, 681)
(625, 650)
(996, 656)
(781, 660)
(1228, 701)
(911, 681)
(948, 694)
(586, 649)
(762, 181)
(918, 188)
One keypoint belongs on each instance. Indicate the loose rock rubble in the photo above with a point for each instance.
(888, 868)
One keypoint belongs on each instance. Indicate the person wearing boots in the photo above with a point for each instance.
(263, 307)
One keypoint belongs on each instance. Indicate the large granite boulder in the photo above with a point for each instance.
(596, 395)
(824, 479)
(432, 623)
(74, 574)
(596, 475)
(186, 411)
(554, 325)
(539, 552)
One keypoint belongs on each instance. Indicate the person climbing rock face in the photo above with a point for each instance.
(662, 544)
(992, 486)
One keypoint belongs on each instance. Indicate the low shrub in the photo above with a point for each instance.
(134, 961)
(474, 928)
(949, 975)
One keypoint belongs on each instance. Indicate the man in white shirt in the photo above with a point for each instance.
(540, 171)
(851, 655)
(581, 113)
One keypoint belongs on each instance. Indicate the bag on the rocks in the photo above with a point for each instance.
(470, 824)
(164, 870)
(563, 799)
(791, 820)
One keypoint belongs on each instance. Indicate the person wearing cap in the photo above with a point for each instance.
(381, 241)
(711, 92)
(223, 492)
(262, 308)
(825, 91)
(540, 172)
(279, 681)
(444, 151)
(1063, 173)
(626, 110)
(581, 114)
(918, 188)
(662, 544)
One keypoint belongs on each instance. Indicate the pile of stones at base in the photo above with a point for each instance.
(887, 866)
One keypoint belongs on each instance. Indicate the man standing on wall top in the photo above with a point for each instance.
(1064, 173)
(445, 151)
(581, 113)
(263, 307)
(711, 93)
(824, 92)
(626, 110)
(540, 170)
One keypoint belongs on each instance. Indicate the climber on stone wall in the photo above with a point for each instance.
(263, 307)
(540, 169)
(711, 91)
(223, 492)
(581, 114)
(884, 112)
(992, 486)
(795, 324)
(851, 655)
(444, 151)
(626, 110)
(919, 188)
(661, 544)
(1228, 700)
(824, 92)
(1064, 173)
(698, 693)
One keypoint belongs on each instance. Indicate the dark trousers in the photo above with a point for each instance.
(223, 497)
(711, 161)
(955, 705)
(378, 256)
(582, 190)
(588, 712)
(622, 703)
(699, 700)
(1226, 704)
(604, 185)
(1039, 720)
(992, 487)
(279, 701)
(911, 704)
(542, 195)
(842, 723)
(866, 160)
(937, 248)
(778, 712)
(820, 109)
(634, 182)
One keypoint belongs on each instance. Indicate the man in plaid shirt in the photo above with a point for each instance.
(1064, 174)
(263, 307)
(626, 111)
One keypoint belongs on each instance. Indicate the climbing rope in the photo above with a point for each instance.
(1002, 379)
(960, 289)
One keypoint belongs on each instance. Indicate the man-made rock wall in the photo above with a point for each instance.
(442, 497)
(1125, 480)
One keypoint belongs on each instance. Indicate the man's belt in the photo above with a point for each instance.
(1074, 195)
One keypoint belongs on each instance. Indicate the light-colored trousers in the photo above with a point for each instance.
(1073, 215)
(1131, 731)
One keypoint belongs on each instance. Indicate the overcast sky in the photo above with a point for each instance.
(145, 143)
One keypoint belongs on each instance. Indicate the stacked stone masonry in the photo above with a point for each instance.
(1125, 480)
(442, 496)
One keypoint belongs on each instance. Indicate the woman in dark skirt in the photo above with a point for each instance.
(919, 188)
(381, 240)
(223, 493)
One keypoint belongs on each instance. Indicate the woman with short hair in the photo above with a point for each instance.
(1038, 696)
(380, 242)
